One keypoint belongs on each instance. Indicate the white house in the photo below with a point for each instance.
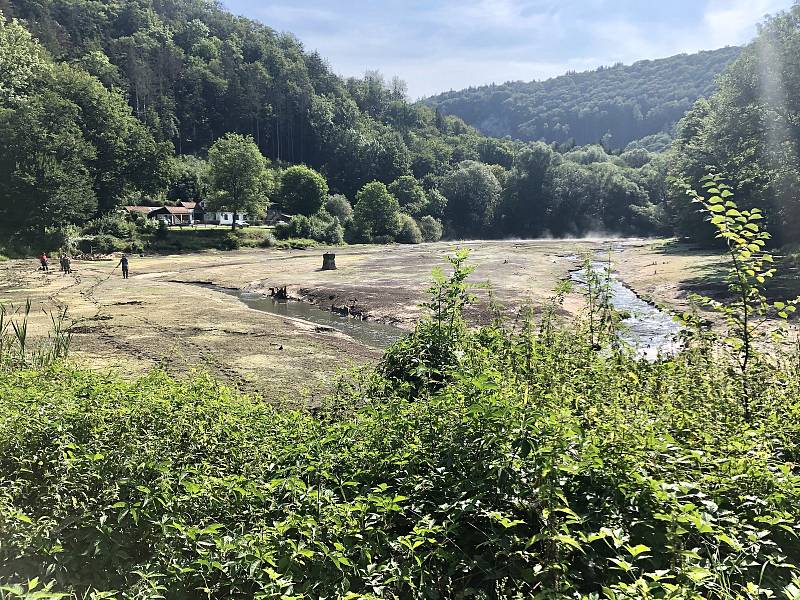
(225, 217)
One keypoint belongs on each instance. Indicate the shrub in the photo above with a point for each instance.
(134, 247)
(339, 206)
(409, 231)
(116, 224)
(321, 227)
(162, 230)
(231, 241)
(485, 464)
(101, 244)
(62, 239)
(431, 228)
(333, 233)
(268, 241)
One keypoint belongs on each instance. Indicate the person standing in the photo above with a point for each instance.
(43, 260)
(123, 262)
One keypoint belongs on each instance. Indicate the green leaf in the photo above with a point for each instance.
(637, 550)
(716, 208)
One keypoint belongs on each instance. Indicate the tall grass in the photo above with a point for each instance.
(18, 351)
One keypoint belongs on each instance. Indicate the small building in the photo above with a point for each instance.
(173, 215)
(226, 217)
(196, 209)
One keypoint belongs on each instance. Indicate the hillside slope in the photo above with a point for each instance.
(626, 103)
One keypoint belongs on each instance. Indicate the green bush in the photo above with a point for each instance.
(231, 241)
(268, 241)
(162, 230)
(483, 463)
(430, 228)
(339, 206)
(101, 244)
(321, 227)
(117, 225)
(409, 231)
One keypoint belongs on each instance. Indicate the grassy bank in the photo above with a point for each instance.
(219, 238)
(485, 464)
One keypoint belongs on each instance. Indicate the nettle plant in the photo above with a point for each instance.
(751, 266)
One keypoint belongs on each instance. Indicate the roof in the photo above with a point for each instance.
(189, 205)
(173, 210)
(178, 210)
(141, 209)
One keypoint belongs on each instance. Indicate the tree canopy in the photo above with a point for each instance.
(616, 105)
(750, 131)
(302, 190)
(238, 176)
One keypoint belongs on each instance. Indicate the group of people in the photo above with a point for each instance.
(66, 264)
(64, 261)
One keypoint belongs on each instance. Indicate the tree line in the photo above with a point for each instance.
(113, 104)
(748, 131)
(143, 102)
(616, 106)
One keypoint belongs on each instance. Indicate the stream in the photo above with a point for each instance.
(369, 333)
(648, 330)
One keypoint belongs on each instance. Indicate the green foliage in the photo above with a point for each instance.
(748, 129)
(303, 191)
(625, 102)
(472, 193)
(19, 351)
(321, 227)
(238, 176)
(480, 463)
(751, 266)
(190, 73)
(436, 204)
(410, 232)
(339, 206)
(410, 195)
(376, 213)
(430, 229)
(190, 180)
(23, 63)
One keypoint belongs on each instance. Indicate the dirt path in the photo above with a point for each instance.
(156, 318)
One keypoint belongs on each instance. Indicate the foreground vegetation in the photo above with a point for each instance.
(496, 463)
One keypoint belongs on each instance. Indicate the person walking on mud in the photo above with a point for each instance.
(44, 260)
(66, 264)
(123, 262)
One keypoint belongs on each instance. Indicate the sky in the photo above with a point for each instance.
(439, 45)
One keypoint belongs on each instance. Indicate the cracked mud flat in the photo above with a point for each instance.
(156, 318)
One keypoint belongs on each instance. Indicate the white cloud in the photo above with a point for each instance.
(731, 22)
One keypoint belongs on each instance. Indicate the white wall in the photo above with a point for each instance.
(226, 217)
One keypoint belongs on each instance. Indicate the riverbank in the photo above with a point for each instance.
(157, 318)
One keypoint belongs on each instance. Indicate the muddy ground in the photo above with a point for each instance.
(161, 317)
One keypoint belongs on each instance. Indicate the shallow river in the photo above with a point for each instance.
(369, 333)
(647, 329)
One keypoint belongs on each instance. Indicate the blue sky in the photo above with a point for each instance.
(438, 45)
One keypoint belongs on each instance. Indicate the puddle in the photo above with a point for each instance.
(649, 331)
(369, 333)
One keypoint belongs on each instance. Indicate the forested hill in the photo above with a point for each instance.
(192, 71)
(130, 97)
(614, 105)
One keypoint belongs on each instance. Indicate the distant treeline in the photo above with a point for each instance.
(610, 105)
(105, 104)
